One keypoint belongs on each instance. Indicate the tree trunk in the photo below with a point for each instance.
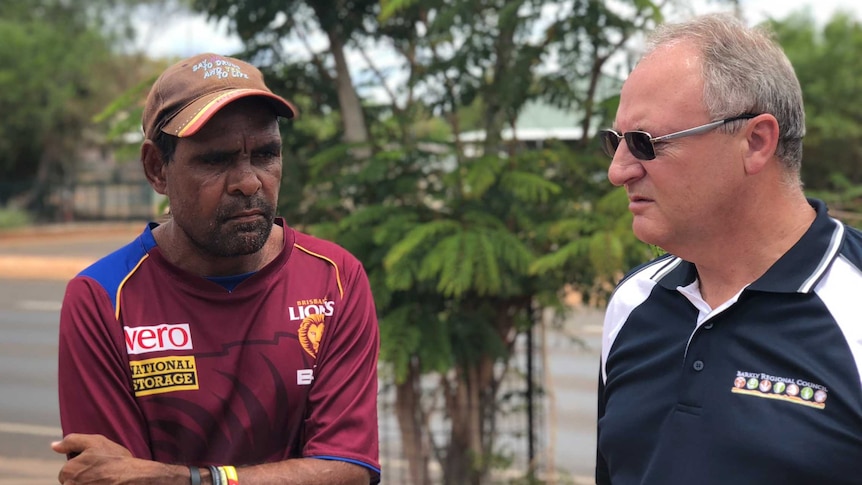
(465, 454)
(36, 199)
(408, 411)
(352, 115)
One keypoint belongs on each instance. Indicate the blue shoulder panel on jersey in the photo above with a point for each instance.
(111, 270)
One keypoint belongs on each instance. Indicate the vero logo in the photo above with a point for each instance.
(155, 338)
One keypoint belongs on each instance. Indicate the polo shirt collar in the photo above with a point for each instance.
(795, 272)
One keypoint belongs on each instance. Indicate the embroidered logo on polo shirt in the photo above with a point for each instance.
(797, 391)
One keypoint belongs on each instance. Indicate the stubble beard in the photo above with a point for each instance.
(226, 239)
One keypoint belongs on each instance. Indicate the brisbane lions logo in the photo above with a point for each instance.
(310, 332)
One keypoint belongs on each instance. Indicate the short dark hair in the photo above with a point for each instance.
(167, 145)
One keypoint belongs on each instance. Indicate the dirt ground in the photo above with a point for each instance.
(59, 252)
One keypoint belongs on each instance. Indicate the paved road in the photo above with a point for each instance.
(33, 272)
(34, 268)
(28, 363)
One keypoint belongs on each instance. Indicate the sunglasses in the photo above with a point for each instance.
(642, 145)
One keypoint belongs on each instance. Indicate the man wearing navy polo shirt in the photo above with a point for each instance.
(736, 357)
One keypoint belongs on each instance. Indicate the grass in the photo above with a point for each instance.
(12, 218)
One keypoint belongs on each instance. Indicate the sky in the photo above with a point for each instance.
(755, 11)
(181, 35)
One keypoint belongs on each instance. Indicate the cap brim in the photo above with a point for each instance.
(193, 117)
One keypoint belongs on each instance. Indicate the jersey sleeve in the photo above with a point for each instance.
(342, 403)
(94, 379)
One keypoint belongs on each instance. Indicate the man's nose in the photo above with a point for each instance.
(624, 167)
(243, 178)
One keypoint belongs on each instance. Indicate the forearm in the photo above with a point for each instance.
(299, 471)
(100, 460)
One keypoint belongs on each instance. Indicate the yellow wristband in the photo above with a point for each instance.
(230, 473)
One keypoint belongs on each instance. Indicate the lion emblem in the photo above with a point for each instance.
(310, 333)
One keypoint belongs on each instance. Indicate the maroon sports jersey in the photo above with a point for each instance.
(179, 370)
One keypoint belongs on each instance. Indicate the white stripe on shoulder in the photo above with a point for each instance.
(630, 293)
(839, 292)
(670, 265)
(834, 246)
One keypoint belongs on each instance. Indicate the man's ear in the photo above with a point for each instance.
(155, 166)
(761, 137)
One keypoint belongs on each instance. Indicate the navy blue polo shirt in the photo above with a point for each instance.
(766, 389)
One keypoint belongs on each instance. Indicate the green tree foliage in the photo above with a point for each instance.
(53, 56)
(829, 69)
(463, 240)
(826, 62)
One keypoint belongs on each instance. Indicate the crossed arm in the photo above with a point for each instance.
(100, 460)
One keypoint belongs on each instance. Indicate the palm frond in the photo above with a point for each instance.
(558, 259)
(529, 187)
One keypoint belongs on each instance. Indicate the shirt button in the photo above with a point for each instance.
(708, 325)
(698, 365)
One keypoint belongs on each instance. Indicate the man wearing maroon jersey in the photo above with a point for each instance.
(221, 346)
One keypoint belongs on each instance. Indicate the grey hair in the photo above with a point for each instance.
(744, 71)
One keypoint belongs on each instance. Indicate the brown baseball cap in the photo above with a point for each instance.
(190, 92)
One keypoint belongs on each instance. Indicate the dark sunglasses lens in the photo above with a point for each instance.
(640, 145)
(610, 141)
